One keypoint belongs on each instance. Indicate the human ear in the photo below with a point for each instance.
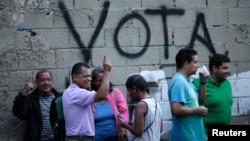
(74, 77)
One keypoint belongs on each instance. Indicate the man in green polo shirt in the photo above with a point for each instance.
(219, 93)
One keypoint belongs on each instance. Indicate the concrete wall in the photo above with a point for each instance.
(137, 35)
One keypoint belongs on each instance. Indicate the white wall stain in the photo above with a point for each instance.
(158, 86)
(32, 4)
(22, 2)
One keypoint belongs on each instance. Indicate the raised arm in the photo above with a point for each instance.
(20, 104)
(103, 90)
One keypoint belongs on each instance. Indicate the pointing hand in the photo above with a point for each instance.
(107, 65)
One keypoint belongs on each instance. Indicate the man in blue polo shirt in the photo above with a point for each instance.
(187, 121)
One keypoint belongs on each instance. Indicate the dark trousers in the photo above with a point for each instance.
(79, 138)
(110, 138)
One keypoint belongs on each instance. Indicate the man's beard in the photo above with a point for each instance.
(221, 78)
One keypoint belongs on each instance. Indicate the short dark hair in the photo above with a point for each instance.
(185, 54)
(217, 60)
(38, 74)
(77, 68)
(137, 81)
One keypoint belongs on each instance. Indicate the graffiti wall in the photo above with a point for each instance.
(141, 36)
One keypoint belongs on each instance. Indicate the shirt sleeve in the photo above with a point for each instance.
(178, 92)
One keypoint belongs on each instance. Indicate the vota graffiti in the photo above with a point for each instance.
(163, 12)
(121, 23)
(200, 19)
(85, 50)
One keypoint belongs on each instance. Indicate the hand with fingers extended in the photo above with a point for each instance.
(107, 65)
(27, 87)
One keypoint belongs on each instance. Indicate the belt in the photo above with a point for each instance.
(81, 137)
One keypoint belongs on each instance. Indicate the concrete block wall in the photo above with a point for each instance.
(136, 35)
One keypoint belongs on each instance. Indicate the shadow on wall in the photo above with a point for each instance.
(241, 119)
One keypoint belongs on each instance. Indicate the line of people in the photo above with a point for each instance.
(96, 111)
(197, 104)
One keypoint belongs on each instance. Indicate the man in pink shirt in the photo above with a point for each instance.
(78, 100)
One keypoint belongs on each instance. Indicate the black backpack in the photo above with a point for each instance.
(57, 121)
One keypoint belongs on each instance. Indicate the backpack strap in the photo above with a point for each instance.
(59, 108)
(154, 117)
(57, 117)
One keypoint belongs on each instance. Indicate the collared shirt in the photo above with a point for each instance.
(218, 101)
(189, 127)
(78, 112)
